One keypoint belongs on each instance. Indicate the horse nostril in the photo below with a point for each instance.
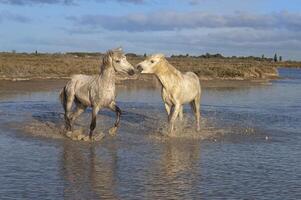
(131, 72)
(139, 67)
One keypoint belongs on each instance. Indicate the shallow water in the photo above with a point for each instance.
(250, 147)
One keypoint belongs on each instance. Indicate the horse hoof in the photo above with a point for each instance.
(113, 131)
(170, 134)
(69, 134)
(98, 137)
(80, 137)
(86, 138)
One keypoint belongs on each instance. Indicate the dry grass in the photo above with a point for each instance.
(46, 65)
(63, 65)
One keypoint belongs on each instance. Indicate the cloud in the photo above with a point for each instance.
(6, 15)
(63, 2)
(197, 32)
(127, 1)
(170, 32)
(32, 2)
(228, 41)
(195, 2)
(171, 20)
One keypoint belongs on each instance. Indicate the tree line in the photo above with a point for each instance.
(276, 58)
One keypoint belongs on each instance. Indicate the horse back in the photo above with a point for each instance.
(192, 77)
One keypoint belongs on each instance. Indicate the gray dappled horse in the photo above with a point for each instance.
(96, 91)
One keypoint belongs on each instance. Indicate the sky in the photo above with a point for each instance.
(229, 27)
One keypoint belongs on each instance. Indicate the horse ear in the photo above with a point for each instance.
(107, 58)
(109, 52)
(160, 55)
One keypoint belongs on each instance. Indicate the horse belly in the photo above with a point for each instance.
(188, 97)
(189, 91)
(82, 95)
(106, 97)
(83, 99)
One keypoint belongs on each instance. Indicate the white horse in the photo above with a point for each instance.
(177, 88)
(95, 91)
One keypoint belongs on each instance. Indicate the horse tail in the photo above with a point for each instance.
(199, 84)
(63, 98)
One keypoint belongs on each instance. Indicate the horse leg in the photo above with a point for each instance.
(173, 117)
(116, 109)
(68, 125)
(80, 108)
(95, 110)
(195, 104)
(181, 113)
(167, 108)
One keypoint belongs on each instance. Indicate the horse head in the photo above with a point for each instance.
(116, 58)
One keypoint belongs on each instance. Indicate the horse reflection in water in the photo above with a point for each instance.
(88, 175)
(94, 172)
(177, 173)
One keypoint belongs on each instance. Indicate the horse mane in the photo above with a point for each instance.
(107, 57)
(171, 68)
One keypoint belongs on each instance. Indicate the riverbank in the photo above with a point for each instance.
(15, 66)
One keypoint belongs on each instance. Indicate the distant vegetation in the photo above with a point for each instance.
(208, 66)
(218, 55)
(83, 54)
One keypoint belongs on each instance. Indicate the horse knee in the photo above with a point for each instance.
(68, 116)
(181, 113)
(118, 113)
(93, 124)
(175, 113)
(167, 108)
(68, 125)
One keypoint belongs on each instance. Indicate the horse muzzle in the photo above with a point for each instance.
(131, 72)
(139, 68)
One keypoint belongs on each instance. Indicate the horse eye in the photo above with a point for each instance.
(118, 61)
(152, 61)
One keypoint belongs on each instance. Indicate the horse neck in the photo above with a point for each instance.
(168, 75)
(107, 76)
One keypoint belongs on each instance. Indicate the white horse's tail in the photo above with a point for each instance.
(63, 98)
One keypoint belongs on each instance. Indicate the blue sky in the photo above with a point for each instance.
(230, 27)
